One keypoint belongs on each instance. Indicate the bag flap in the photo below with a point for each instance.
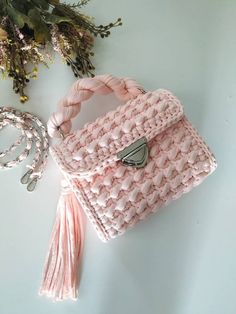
(95, 147)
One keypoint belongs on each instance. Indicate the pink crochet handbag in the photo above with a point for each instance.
(119, 169)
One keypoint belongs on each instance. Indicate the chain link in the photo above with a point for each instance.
(34, 137)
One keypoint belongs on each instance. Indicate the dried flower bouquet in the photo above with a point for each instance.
(28, 29)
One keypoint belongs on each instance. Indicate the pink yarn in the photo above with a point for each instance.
(116, 197)
(82, 90)
(60, 276)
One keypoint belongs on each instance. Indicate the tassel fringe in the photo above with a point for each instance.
(60, 277)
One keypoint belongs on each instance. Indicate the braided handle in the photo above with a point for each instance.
(83, 89)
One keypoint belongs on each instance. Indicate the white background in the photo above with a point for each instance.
(183, 259)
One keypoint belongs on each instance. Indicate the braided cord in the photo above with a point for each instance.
(33, 137)
(83, 89)
(13, 147)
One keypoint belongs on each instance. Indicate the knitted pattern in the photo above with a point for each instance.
(93, 148)
(116, 197)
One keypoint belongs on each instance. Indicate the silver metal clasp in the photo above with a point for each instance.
(31, 183)
(136, 154)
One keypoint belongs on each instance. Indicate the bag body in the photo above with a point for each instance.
(116, 196)
(119, 169)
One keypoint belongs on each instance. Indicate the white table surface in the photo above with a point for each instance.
(183, 259)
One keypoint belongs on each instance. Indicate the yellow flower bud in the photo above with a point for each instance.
(3, 34)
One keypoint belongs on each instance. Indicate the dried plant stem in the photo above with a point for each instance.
(27, 28)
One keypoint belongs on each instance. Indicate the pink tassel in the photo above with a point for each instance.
(60, 278)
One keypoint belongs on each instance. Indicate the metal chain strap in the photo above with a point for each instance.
(33, 137)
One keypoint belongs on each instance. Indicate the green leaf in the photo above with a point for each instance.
(43, 4)
(54, 2)
(21, 6)
(17, 17)
(41, 32)
(56, 19)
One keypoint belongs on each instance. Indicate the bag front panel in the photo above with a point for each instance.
(95, 147)
(121, 196)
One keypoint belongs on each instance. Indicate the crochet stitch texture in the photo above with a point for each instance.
(116, 197)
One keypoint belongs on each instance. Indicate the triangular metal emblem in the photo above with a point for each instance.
(136, 154)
